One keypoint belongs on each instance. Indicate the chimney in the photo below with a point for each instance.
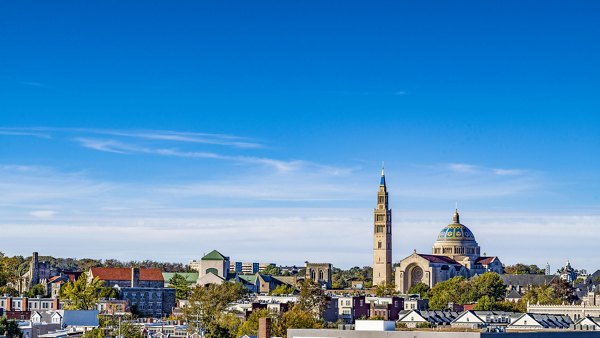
(135, 277)
(9, 301)
(264, 327)
(55, 304)
(24, 304)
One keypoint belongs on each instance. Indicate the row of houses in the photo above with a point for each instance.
(496, 321)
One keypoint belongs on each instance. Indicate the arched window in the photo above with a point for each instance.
(321, 275)
(312, 274)
(379, 245)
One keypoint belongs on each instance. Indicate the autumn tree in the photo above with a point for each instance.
(208, 304)
(312, 298)
(385, 289)
(283, 289)
(81, 293)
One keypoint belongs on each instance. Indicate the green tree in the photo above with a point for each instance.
(180, 284)
(81, 294)
(108, 293)
(128, 330)
(272, 270)
(485, 303)
(283, 289)
(312, 298)
(523, 269)
(37, 290)
(454, 290)
(250, 326)
(8, 269)
(9, 290)
(489, 284)
(94, 333)
(385, 289)
(421, 289)
(10, 328)
(207, 304)
(295, 318)
(542, 294)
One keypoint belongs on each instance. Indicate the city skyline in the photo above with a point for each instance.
(164, 132)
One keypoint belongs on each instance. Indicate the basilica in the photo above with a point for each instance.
(454, 253)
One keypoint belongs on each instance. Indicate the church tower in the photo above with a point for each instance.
(382, 237)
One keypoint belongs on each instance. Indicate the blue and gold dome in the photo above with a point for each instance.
(456, 231)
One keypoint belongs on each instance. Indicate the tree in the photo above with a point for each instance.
(9, 267)
(312, 298)
(94, 333)
(272, 270)
(542, 294)
(421, 289)
(207, 304)
(489, 284)
(10, 328)
(454, 290)
(385, 289)
(564, 291)
(8, 290)
(295, 318)
(37, 290)
(485, 303)
(250, 326)
(82, 294)
(181, 286)
(283, 289)
(523, 269)
(108, 293)
(128, 330)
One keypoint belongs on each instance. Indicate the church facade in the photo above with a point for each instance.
(454, 253)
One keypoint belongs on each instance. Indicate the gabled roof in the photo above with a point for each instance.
(462, 318)
(595, 321)
(190, 277)
(439, 259)
(485, 260)
(124, 274)
(525, 280)
(214, 256)
(513, 294)
(410, 316)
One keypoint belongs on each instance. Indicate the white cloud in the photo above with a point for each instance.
(43, 214)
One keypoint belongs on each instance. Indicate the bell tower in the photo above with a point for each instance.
(382, 237)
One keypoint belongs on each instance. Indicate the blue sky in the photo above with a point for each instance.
(160, 130)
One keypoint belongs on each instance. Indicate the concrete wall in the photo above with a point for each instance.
(321, 333)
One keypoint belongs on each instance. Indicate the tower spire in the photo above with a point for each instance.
(382, 182)
(456, 217)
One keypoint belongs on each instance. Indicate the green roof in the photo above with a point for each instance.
(248, 278)
(214, 256)
(190, 277)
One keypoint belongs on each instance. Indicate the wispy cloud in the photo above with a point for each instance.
(9, 132)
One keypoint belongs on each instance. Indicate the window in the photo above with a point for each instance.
(379, 245)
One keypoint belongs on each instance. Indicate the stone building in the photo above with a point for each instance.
(455, 253)
(38, 273)
(320, 273)
(382, 237)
